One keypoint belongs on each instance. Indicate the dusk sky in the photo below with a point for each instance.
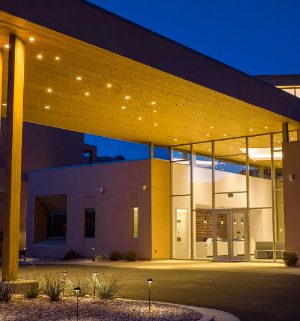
(257, 37)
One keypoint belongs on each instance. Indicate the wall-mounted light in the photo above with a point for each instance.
(291, 177)
(234, 220)
(144, 187)
(101, 189)
(205, 221)
(242, 220)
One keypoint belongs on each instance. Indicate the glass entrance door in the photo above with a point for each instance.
(230, 235)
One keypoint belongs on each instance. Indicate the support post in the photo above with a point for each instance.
(1, 76)
(285, 132)
(151, 150)
(15, 90)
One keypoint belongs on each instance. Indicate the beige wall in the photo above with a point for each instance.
(291, 161)
(160, 208)
(123, 189)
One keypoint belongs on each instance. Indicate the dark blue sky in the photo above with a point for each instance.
(255, 36)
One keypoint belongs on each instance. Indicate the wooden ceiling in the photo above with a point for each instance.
(162, 109)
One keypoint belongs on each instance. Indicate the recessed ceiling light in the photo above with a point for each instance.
(140, 118)
(78, 78)
(251, 129)
(127, 97)
(266, 127)
(47, 107)
(155, 111)
(153, 102)
(39, 56)
(224, 135)
(87, 93)
(6, 46)
(155, 124)
(207, 135)
(49, 90)
(57, 58)
(31, 39)
(123, 107)
(209, 149)
(109, 85)
(175, 139)
(230, 148)
(211, 127)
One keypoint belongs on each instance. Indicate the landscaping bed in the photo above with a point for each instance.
(40, 309)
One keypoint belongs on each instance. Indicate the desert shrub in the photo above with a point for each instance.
(53, 287)
(130, 256)
(290, 258)
(115, 256)
(7, 289)
(32, 291)
(100, 257)
(107, 287)
(72, 255)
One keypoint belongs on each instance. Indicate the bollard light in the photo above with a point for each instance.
(77, 292)
(65, 277)
(149, 293)
(24, 258)
(93, 254)
(94, 275)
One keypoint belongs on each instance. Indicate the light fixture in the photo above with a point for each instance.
(207, 135)
(262, 153)
(149, 293)
(291, 177)
(234, 220)
(242, 221)
(127, 97)
(6, 46)
(144, 187)
(87, 93)
(175, 139)
(4, 104)
(123, 107)
(47, 107)
(57, 58)
(266, 127)
(140, 118)
(230, 148)
(211, 127)
(153, 102)
(39, 56)
(78, 78)
(155, 124)
(155, 111)
(205, 221)
(109, 85)
(31, 39)
(101, 189)
(49, 90)
(222, 222)
(251, 129)
(224, 135)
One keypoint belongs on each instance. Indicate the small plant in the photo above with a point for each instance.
(290, 258)
(7, 289)
(32, 291)
(106, 287)
(72, 255)
(130, 256)
(100, 257)
(53, 287)
(115, 256)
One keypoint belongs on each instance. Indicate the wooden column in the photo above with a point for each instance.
(1, 76)
(15, 88)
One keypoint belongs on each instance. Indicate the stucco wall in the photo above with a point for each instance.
(291, 161)
(123, 189)
(160, 208)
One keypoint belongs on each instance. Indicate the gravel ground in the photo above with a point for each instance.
(40, 309)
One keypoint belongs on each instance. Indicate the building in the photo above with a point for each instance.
(233, 138)
(43, 147)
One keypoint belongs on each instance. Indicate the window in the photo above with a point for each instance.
(135, 222)
(89, 230)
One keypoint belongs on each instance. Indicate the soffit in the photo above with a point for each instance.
(185, 112)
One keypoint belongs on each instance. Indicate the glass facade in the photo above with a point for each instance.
(227, 199)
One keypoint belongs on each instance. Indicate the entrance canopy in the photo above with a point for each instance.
(89, 71)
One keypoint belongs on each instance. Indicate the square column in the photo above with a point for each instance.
(13, 159)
